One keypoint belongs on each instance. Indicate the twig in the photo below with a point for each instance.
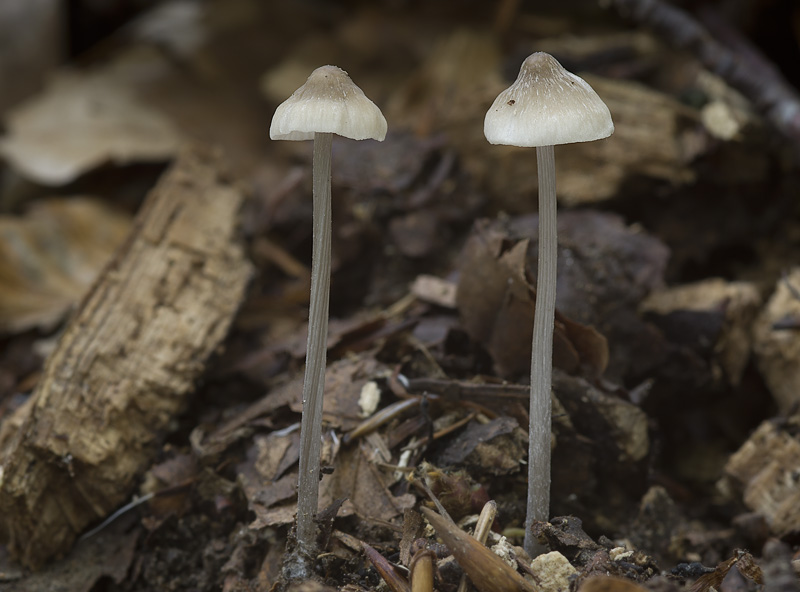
(751, 74)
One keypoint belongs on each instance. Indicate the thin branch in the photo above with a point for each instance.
(748, 71)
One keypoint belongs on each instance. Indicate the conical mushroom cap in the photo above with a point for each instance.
(328, 102)
(545, 106)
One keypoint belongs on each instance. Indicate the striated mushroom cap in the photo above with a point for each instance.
(328, 102)
(545, 106)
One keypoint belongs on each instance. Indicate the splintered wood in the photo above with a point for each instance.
(126, 361)
(767, 471)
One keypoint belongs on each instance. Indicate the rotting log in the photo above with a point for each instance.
(126, 361)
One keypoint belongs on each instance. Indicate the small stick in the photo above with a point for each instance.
(482, 528)
(422, 570)
(756, 78)
(386, 570)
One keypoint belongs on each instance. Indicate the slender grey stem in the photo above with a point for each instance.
(316, 350)
(542, 353)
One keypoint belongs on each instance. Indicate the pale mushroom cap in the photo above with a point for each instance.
(545, 106)
(328, 102)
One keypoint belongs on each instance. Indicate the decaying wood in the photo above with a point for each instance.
(744, 69)
(727, 309)
(766, 470)
(126, 361)
(777, 342)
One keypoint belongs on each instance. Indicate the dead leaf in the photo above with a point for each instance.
(457, 492)
(85, 119)
(344, 380)
(742, 560)
(496, 303)
(365, 485)
(50, 257)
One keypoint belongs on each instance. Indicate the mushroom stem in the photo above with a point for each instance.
(542, 351)
(316, 350)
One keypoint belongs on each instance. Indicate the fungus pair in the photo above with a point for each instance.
(545, 106)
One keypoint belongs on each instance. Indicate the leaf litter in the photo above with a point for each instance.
(434, 260)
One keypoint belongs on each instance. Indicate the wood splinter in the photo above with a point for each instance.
(126, 362)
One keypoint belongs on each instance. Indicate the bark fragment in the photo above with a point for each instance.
(767, 469)
(777, 342)
(126, 362)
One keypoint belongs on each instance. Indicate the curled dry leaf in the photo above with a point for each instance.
(85, 119)
(487, 571)
(50, 257)
(496, 300)
(344, 381)
(741, 560)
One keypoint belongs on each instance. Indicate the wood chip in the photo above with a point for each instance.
(777, 342)
(486, 570)
(767, 469)
(126, 362)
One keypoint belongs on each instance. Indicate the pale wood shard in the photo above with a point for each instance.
(766, 469)
(777, 342)
(126, 361)
(730, 306)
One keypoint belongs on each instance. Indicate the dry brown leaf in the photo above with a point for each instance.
(50, 257)
(85, 119)
(496, 302)
(742, 560)
(344, 380)
(365, 485)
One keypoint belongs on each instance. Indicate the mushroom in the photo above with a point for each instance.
(545, 106)
(328, 103)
